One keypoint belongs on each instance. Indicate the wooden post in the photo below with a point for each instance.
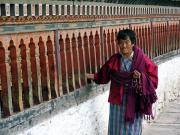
(102, 44)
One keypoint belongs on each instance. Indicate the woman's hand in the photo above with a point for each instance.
(136, 74)
(90, 76)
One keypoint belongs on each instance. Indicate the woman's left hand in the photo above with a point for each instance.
(136, 74)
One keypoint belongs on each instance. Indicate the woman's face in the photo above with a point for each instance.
(125, 46)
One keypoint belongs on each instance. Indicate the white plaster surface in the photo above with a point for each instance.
(91, 117)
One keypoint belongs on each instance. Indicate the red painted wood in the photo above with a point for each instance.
(62, 63)
(87, 54)
(81, 61)
(75, 61)
(97, 46)
(50, 54)
(4, 92)
(69, 63)
(92, 52)
(14, 76)
(34, 72)
(105, 46)
(43, 69)
(109, 43)
(113, 38)
(25, 86)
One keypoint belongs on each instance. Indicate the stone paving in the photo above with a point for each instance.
(168, 122)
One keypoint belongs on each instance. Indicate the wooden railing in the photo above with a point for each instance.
(79, 8)
(39, 66)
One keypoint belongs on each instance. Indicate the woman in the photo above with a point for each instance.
(133, 79)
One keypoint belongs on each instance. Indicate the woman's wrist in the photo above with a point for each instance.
(90, 76)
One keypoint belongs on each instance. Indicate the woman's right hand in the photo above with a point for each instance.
(90, 76)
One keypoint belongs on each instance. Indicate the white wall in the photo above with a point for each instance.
(91, 117)
(169, 83)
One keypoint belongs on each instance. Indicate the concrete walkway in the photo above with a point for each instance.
(168, 123)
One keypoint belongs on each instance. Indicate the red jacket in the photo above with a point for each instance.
(114, 64)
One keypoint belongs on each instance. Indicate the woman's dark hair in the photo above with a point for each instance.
(124, 34)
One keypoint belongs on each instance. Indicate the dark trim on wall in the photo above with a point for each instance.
(10, 29)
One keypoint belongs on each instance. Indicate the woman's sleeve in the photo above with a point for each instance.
(152, 71)
(103, 75)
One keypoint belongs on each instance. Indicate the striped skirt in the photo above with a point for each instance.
(117, 124)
